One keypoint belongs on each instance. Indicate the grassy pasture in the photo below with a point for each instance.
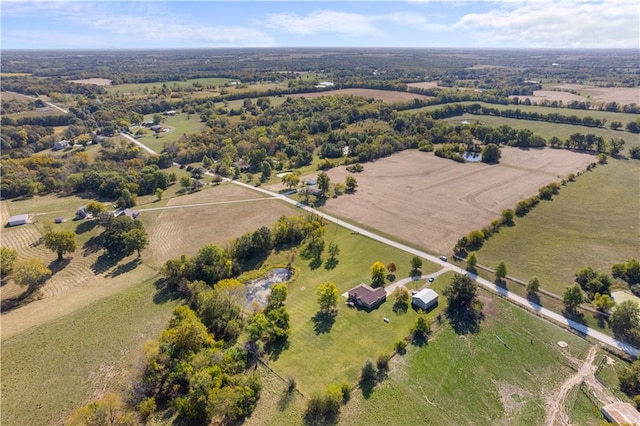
(180, 125)
(138, 88)
(594, 221)
(609, 116)
(316, 357)
(486, 382)
(50, 370)
(548, 130)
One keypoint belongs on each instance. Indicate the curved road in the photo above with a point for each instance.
(521, 301)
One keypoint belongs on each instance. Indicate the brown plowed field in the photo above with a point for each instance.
(184, 230)
(432, 202)
(382, 95)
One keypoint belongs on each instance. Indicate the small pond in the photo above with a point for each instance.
(472, 156)
(257, 291)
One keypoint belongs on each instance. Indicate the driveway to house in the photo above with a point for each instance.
(401, 283)
(140, 144)
(518, 300)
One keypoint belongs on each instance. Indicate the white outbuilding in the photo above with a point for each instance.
(20, 219)
(425, 299)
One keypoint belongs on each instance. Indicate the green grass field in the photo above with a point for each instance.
(180, 125)
(473, 379)
(356, 334)
(138, 88)
(594, 221)
(548, 130)
(49, 371)
(624, 118)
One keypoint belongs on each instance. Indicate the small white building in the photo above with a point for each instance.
(425, 299)
(64, 144)
(20, 219)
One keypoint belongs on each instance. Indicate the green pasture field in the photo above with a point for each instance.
(593, 221)
(51, 370)
(29, 114)
(548, 130)
(138, 88)
(181, 124)
(317, 358)
(487, 382)
(624, 118)
(581, 410)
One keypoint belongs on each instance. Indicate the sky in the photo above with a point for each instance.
(80, 24)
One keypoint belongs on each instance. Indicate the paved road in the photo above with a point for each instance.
(521, 301)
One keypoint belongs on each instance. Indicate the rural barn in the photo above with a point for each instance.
(366, 296)
(425, 299)
(20, 219)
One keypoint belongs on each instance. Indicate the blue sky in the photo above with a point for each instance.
(427, 23)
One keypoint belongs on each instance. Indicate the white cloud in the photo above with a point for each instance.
(555, 23)
(144, 20)
(325, 21)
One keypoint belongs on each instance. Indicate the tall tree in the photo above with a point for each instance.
(327, 296)
(490, 154)
(350, 183)
(323, 182)
(572, 298)
(472, 261)
(416, 265)
(625, 318)
(533, 286)
(134, 240)
(61, 242)
(461, 292)
(377, 274)
(290, 180)
(501, 271)
(278, 294)
(603, 302)
(31, 273)
(8, 258)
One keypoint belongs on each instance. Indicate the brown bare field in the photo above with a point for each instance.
(553, 95)
(178, 231)
(381, 95)
(424, 84)
(432, 202)
(621, 95)
(96, 81)
(8, 96)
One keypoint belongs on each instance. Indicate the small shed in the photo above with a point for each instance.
(61, 145)
(156, 127)
(20, 219)
(425, 299)
(81, 213)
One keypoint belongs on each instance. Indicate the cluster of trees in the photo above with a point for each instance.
(122, 235)
(536, 116)
(30, 273)
(628, 271)
(212, 263)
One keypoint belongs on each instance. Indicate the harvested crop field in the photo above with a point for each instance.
(213, 216)
(621, 95)
(424, 84)
(553, 95)
(380, 95)
(432, 202)
(96, 81)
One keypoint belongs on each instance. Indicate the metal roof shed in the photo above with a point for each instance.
(20, 219)
(425, 299)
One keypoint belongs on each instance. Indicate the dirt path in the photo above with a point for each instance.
(556, 413)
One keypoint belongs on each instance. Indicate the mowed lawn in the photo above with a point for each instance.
(138, 88)
(180, 125)
(474, 379)
(51, 370)
(594, 221)
(319, 355)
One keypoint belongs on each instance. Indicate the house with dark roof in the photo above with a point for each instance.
(366, 296)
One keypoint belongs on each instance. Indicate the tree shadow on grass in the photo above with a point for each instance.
(534, 298)
(323, 321)
(30, 294)
(124, 268)
(92, 245)
(58, 265)
(602, 319)
(400, 308)
(331, 263)
(574, 316)
(86, 226)
(276, 348)
(104, 262)
(315, 263)
(165, 292)
(285, 400)
(466, 321)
